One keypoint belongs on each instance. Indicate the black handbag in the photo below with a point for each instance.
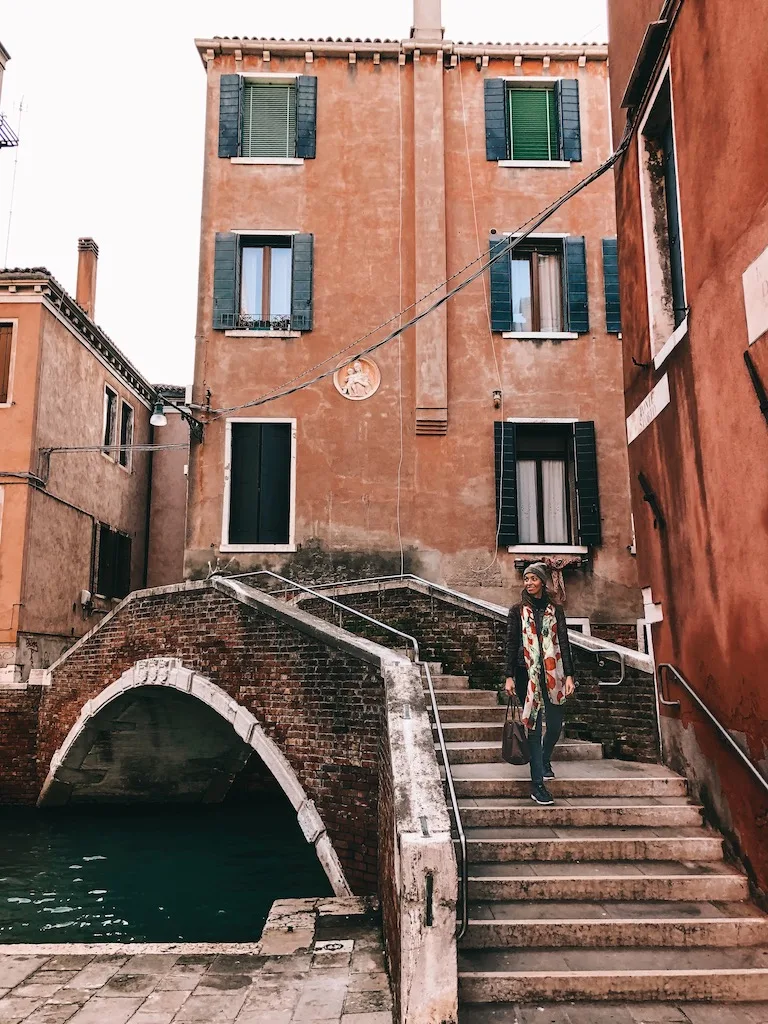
(514, 742)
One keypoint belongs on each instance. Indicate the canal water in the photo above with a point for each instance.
(150, 874)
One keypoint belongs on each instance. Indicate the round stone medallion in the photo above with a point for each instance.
(358, 380)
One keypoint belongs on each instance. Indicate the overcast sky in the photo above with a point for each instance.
(112, 133)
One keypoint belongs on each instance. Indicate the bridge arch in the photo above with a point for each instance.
(171, 674)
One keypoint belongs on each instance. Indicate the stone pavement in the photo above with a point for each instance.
(330, 971)
(613, 1013)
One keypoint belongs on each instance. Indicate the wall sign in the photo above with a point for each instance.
(648, 410)
(755, 283)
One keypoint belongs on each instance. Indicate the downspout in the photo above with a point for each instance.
(149, 509)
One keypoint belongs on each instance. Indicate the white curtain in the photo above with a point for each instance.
(555, 516)
(280, 283)
(252, 269)
(528, 518)
(550, 293)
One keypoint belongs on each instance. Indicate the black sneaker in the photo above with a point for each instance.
(548, 772)
(541, 795)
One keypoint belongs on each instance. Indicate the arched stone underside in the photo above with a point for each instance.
(68, 760)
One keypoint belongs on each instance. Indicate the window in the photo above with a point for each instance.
(532, 120)
(539, 288)
(267, 118)
(6, 344)
(259, 483)
(546, 484)
(263, 282)
(110, 419)
(661, 220)
(125, 456)
(113, 564)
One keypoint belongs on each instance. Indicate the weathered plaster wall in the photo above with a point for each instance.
(168, 504)
(348, 453)
(704, 456)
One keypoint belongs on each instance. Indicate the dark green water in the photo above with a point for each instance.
(150, 874)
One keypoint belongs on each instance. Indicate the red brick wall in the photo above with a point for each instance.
(18, 742)
(322, 706)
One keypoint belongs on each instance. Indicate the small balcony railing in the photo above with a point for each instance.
(8, 136)
(244, 322)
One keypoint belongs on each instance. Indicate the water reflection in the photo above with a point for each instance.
(159, 874)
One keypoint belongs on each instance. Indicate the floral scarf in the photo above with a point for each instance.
(533, 650)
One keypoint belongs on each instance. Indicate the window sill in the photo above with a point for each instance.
(291, 161)
(540, 335)
(548, 549)
(262, 334)
(258, 547)
(671, 344)
(534, 163)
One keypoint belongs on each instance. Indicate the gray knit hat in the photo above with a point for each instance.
(538, 569)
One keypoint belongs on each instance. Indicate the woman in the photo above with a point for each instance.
(540, 671)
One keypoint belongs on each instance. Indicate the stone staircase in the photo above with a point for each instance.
(617, 892)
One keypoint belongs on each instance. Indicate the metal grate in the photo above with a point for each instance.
(269, 120)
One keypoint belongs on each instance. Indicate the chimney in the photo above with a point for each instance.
(87, 258)
(427, 20)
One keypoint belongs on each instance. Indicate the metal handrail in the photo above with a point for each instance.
(292, 585)
(720, 728)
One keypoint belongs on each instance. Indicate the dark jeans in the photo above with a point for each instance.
(541, 753)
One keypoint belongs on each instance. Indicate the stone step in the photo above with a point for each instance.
(622, 974)
(444, 682)
(435, 667)
(598, 880)
(464, 715)
(472, 732)
(608, 778)
(592, 844)
(475, 698)
(526, 813)
(478, 752)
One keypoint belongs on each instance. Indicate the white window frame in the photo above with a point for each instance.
(128, 467)
(277, 77)
(546, 549)
(109, 455)
(13, 321)
(659, 350)
(225, 545)
(533, 82)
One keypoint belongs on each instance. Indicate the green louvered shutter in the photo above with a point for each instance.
(496, 121)
(505, 462)
(588, 496)
(611, 285)
(567, 94)
(225, 281)
(501, 286)
(306, 116)
(230, 94)
(533, 115)
(269, 120)
(577, 302)
(301, 296)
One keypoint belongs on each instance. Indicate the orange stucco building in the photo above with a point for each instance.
(345, 181)
(74, 481)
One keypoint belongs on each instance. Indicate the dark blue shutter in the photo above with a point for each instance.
(576, 284)
(225, 281)
(260, 483)
(306, 116)
(501, 286)
(567, 93)
(301, 299)
(611, 285)
(505, 461)
(230, 90)
(496, 120)
(588, 497)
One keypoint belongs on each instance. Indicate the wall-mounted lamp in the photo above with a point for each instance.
(158, 417)
(496, 399)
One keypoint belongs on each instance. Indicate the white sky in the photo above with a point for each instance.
(111, 135)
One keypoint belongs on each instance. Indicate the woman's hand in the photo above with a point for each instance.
(509, 685)
(570, 686)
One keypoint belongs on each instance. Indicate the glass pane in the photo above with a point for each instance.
(550, 293)
(269, 121)
(521, 295)
(280, 284)
(528, 517)
(251, 278)
(553, 487)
